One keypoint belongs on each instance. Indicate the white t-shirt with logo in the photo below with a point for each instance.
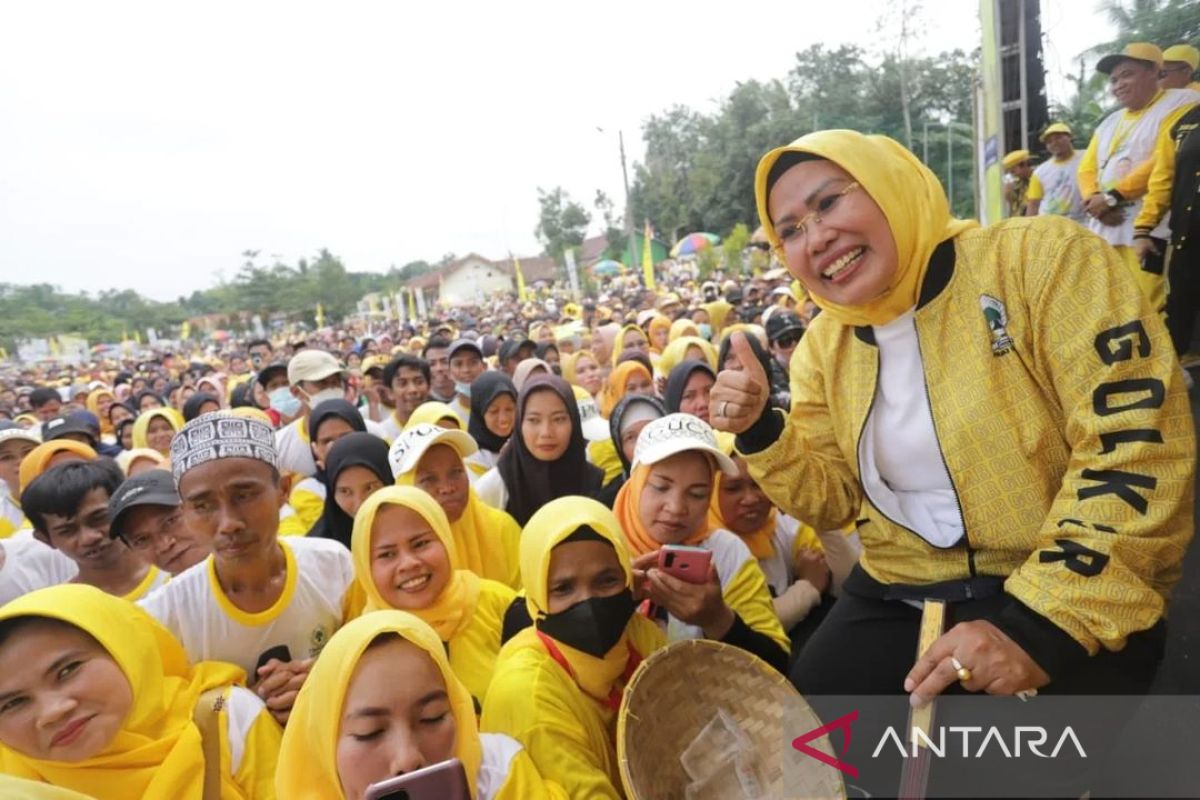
(310, 610)
(1060, 188)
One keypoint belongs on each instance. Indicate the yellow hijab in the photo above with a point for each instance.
(619, 342)
(717, 310)
(433, 412)
(157, 752)
(676, 353)
(452, 610)
(545, 530)
(614, 387)
(308, 755)
(141, 425)
(571, 362)
(250, 412)
(682, 327)
(760, 541)
(661, 323)
(478, 524)
(93, 405)
(908, 193)
(126, 458)
(34, 464)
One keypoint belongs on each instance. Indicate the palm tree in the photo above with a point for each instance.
(1163, 22)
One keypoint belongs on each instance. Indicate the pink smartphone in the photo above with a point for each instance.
(444, 781)
(686, 563)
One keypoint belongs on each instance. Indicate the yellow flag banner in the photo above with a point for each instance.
(185, 331)
(648, 258)
(521, 293)
(320, 316)
(412, 306)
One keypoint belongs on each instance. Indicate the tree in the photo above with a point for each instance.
(733, 246)
(1164, 22)
(562, 222)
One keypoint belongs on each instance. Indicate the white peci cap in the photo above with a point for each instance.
(414, 442)
(676, 433)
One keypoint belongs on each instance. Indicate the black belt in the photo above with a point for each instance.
(958, 591)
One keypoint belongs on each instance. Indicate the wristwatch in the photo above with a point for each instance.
(1112, 198)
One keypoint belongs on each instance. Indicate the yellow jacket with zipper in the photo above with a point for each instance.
(1065, 429)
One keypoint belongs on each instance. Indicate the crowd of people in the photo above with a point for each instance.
(298, 566)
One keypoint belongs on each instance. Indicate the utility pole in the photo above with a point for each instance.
(628, 205)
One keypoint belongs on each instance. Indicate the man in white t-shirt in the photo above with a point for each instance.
(264, 604)
(1054, 187)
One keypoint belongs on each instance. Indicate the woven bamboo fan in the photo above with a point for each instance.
(679, 690)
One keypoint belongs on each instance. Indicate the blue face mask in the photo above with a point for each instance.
(283, 401)
(463, 388)
(705, 331)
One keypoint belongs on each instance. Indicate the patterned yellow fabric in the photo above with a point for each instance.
(1064, 424)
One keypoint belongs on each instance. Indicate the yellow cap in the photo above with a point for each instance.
(1014, 158)
(1183, 52)
(1138, 51)
(1055, 127)
(372, 362)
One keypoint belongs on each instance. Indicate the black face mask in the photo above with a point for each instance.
(592, 626)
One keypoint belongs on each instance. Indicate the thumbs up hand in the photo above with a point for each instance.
(741, 393)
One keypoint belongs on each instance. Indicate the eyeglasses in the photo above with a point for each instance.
(1162, 73)
(794, 233)
(144, 541)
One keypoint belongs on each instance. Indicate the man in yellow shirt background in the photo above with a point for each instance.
(1179, 66)
(1054, 185)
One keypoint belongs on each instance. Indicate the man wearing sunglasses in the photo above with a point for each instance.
(784, 329)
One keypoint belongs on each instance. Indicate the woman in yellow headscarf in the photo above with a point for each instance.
(51, 454)
(434, 460)
(659, 332)
(155, 429)
(684, 349)
(405, 558)
(960, 390)
(582, 369)
(138, 459)
(558, 686)
(628, 377)
(98, 402)
(143, 718)
(434, 412)
(330, 752)
(682, 327)
(631, 337)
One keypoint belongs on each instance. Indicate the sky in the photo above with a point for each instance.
(147, 145)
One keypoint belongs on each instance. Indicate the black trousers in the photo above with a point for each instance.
(1183, 292)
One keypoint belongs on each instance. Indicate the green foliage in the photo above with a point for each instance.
(562, 222)
(734, 245)
(707, 261)
(1162, 22)
(698, 172)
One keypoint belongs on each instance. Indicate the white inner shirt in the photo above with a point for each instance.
(902, 468)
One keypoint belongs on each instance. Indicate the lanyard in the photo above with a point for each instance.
(613, 700)
(1125, 127)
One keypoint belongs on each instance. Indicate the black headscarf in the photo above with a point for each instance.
(334, 408)
(677, 381)
(617, 419)
(140, 396)
(532, 483)
(191, 409)
(546, 347)
(486, 388)
(352, 450)
(121, 405)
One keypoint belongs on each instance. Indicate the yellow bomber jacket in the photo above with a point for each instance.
(1061, 416)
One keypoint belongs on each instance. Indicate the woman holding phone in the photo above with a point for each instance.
(558, 685)
(665, 502)
(1004, 407)
(354, 724)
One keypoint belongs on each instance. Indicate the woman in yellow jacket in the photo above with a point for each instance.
(558, 685)
(101, 699)
(665, 502)
(433, 459)
(392, 667)
(1004, 408)
(405, 558)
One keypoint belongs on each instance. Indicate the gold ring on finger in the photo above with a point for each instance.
(963, 673)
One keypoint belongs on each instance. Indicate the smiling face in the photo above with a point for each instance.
(388, 726)
(159, 434)
(580, 571)
(409, 563)
(849, 256)
(546, 427)
(158, 534)
(1059, 145)
(62, 696)
(83, 537)
(1133, 83)
(501, 415)
(675, 501)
